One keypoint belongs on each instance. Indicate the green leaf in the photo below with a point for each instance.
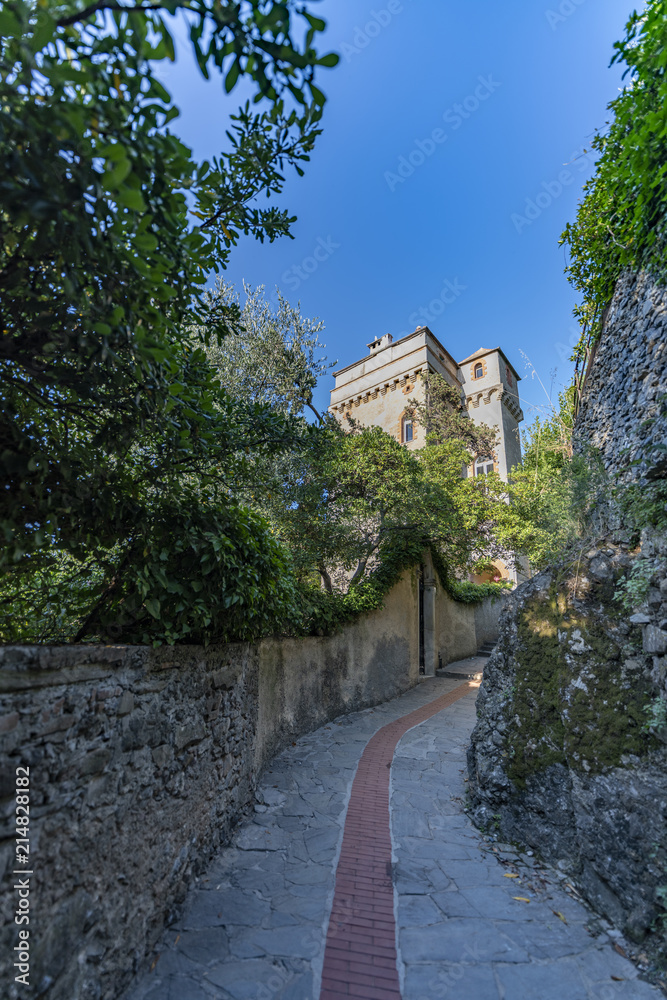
(114, 178)
(131, 198)
(232, 76)
(330, 60)
(318, 96)
(44, 30)
(9, 25)
(153, 607)
(113, 151)
(315, 22)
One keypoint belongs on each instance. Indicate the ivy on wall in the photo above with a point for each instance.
(621, 220)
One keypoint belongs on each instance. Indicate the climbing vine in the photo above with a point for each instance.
(621, 220)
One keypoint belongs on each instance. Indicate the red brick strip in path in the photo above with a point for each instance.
(360, 952)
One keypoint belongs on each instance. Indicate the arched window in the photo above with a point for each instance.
(408, 430)
(483, 466)
(491, 572)
(479, 370)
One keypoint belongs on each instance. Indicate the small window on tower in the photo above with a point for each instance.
(408, 430)
(483, 466)
(479, 371)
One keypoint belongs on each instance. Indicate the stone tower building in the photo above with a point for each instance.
(375, 391)
(491, 388)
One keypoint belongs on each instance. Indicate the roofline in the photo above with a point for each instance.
(395, 343)
(491, 350)
(450, 356)
(359, 361)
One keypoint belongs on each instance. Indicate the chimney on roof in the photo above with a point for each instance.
(377, 345)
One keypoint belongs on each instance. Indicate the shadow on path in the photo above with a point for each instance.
(255, 926)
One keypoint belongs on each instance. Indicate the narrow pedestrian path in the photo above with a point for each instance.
(360, 957)
(359, 846)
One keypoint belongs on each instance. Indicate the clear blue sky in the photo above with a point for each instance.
(532, 81)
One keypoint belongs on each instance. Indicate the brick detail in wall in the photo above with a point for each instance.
(399, 429)
(482, 362)
(360, 954)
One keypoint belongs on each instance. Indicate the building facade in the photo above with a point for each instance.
(375, 391)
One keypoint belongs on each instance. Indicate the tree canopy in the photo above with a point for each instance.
(271, 356)
(355, 500)
(119, 448)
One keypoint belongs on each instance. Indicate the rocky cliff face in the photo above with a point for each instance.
(569, 754)
(563, 756)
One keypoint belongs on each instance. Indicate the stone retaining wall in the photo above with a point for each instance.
(141, 762)
(623, 411)
(569, 754)
(560, 758)
(305, 682)
(456, 635)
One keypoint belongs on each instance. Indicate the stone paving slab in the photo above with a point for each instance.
(363, 907)
(303, 794)
(470, 669)
(480, 943)
(254, 926)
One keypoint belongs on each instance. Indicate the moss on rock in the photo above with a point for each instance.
(574, 701)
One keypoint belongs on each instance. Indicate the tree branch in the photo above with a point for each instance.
(326, 579)
(359, 572)
(311, 407)
(89, 619)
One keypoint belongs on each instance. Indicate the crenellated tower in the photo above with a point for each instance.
(491, 388)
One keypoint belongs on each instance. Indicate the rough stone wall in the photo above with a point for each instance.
(568, 754)
(141, 761)
(561, 757)
(623, 410)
